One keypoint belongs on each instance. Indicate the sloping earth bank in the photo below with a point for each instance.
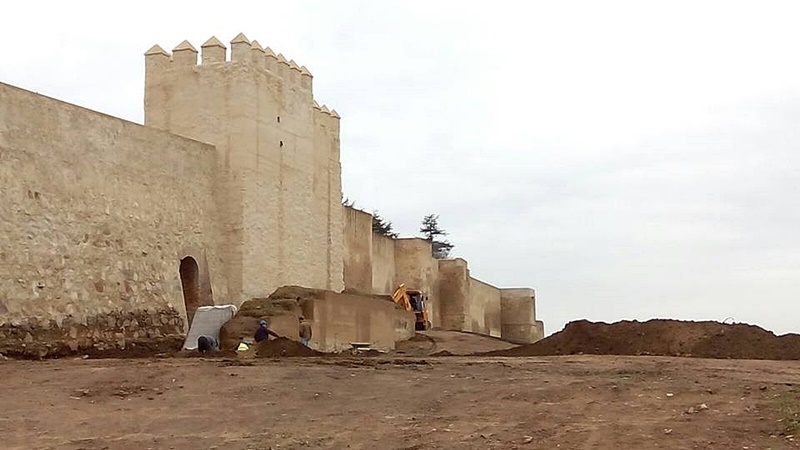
(663, 337)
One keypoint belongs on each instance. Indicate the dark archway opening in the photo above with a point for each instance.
(190, 281)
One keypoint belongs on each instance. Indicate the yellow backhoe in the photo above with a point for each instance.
(413, 300)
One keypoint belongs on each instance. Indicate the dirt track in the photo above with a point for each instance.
(580, 402)
(450, 342)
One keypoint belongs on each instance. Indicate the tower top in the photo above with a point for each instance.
(185, 45)
(240, 39)
(242, 51)
(212, 42)
(156, 50)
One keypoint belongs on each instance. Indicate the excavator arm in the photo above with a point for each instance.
(401, 297)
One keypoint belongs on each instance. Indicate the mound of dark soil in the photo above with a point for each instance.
(665, 338)
(283, 347)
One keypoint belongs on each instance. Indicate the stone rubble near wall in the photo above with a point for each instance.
(150, 331)
(336, 319)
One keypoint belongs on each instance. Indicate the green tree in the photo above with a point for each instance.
(382, 226)
(440, 248)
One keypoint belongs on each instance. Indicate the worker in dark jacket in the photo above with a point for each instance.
(304, 331)
(263, 333)
(207, 343)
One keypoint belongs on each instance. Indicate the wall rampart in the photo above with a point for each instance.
(113, 228)
(519, 316)
(484, 308)
(417, 269)
(358, 237)
(456, 301)
(454, 294)
(97, 214)
(278, 188)
(384, 269)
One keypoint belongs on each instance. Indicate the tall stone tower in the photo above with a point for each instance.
(277, 185)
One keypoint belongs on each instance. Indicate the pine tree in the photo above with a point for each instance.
(382, 226)
(440, 248)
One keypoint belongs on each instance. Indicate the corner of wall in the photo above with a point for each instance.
(454, 294)
(518, 316)
(357, 251)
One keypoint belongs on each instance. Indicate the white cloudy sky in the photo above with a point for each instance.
(629, 160)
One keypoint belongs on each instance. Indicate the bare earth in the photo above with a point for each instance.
(401, 402)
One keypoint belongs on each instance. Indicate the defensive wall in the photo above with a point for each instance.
(95, 215)
(231, 189)
(115, 232)
(377, 264)
(278, 177)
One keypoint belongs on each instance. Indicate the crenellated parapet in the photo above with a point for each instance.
(323, 109)
(242, 51)
(278, 172)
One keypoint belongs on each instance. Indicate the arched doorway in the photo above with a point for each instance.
(190, 281)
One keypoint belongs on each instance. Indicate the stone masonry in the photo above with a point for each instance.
(114, 233)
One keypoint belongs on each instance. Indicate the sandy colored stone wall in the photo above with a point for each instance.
(472, 305)
(468, 304)
(456, 301)
(519, 324)
(279, 183)
(343, 318)
(383, 265)
(454, 293)
(484, 308)
(369, 258)
(96, 214)
(358, 238)
(336, 319)
(417, 269)
(236, 178)
(328, 195)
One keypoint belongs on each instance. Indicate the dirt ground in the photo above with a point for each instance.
(437, 342)
(401, 402)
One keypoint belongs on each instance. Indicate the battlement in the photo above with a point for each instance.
(324, 110)
(243, 51)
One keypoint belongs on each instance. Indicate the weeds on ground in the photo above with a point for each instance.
(790, 414)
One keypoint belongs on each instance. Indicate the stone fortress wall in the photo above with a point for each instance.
(376, 264)
(115, 232)
(95, 213)
(278, 182)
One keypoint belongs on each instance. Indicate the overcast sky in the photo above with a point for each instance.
(628, 160)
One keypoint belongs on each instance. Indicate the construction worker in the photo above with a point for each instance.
(263, 333)
(242, 347)
(207, 344)
(305, 331)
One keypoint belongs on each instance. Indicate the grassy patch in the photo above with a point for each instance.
(790, 414)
